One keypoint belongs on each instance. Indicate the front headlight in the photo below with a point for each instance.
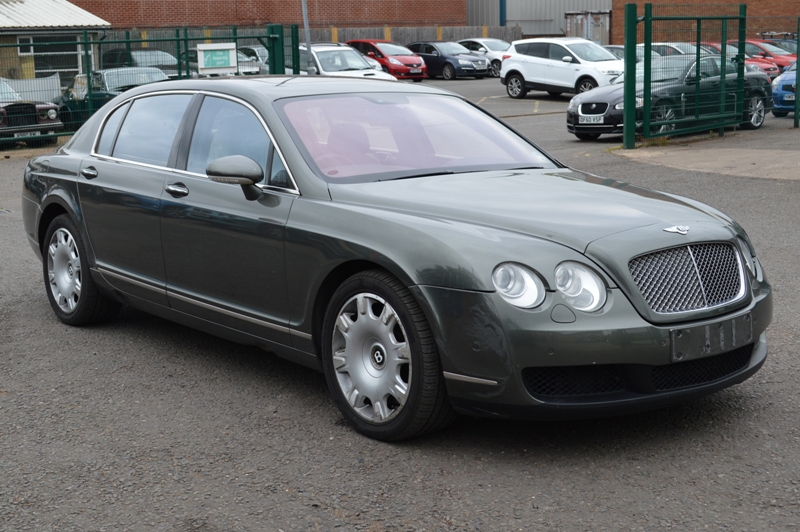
(613, 72)
(581, 287)
(776, 83)
(639, 103)
(464, 62)
(52, 114)
(394, 61)
(518, 285)
(572, 105)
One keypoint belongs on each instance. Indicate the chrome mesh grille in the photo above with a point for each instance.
(688, 278)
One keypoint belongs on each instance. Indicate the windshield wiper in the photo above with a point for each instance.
(427, 174)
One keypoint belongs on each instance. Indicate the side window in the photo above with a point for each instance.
(414, 48)
(226, 128)
(557, 52)
(428, 49)
(522, 48)
(106, 143)
(303, 61)
(149, 129)
(537, 49)
(469, 45)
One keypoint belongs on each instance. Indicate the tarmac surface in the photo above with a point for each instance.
(142, 424)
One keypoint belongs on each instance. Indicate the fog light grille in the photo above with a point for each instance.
(564, 381)
(701, 371)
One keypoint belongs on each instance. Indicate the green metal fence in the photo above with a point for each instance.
(693, 70)
(45, 91)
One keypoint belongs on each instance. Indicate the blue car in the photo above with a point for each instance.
(784, 91)
(450, 60)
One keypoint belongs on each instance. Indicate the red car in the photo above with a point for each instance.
(766, 50)
(395, 59)
(772, 70)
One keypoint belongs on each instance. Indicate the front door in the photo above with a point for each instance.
(224, 254)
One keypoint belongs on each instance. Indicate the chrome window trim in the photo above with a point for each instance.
(103, 271)
(295, 190)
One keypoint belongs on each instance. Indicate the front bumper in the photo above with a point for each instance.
(404, 72)
(780, 103)
(32, 130)
(606, 363)
(611, 124)
(471, 71)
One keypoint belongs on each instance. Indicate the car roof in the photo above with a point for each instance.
(372, 41)
(271, 88)
(561, 40)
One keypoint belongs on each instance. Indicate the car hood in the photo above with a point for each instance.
(369, 73)
(408, 59)
(470, 57)
(610, 94)
(559, 205)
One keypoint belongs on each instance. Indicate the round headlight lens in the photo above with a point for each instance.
(518, 285)
(52, 114)
(580, 286)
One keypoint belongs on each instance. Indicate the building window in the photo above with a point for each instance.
(53, 54)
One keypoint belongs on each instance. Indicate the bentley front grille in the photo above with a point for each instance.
(689, 278)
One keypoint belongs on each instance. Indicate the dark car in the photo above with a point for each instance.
(425, 256)
(74, 103)
(394, 58)
(23, 118)
(140, 57)
(450, 60)
(674, 92)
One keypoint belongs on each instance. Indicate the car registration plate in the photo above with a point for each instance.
(415, 70)
(590, 119)
(706, 340)
(27, 134)
(789, 97)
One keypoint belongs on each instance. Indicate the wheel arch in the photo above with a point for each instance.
(584, 77)
(56, 207)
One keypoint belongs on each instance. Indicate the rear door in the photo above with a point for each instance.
(120, 189)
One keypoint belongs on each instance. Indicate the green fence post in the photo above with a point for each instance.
(647, 115)
(723, 72)
(796, 101)
(273, 56)
(87, 62)
(629, 94)
(178, 53)
(186, 47)
(128, 59)
(296, 49)
(740, 64)
(280, 61)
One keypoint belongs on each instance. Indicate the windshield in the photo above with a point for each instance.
(256, 52)
(7, 94)
(153, 57)
(377, 137)
(789, 45)
(589, 51)
(130, 78)
(390, 48)
(451, 48)
(792, 68)
(342, 60)
(496, 45)
(669, 69)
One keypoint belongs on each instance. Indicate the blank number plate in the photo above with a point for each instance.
(789, 97)
(415, 70)
(590, 119)
(708, 340)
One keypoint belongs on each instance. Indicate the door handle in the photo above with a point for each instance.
(177, 190)
(90, 172)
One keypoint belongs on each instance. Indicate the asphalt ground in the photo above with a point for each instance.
(141, 424)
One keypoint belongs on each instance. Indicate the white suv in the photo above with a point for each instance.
(556, 65)
(338, 59)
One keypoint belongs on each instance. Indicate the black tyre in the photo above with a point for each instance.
(380, 359)
(449, 72)
(554, 93)
(756, 112)
(780, 114)
(479, 77)
(494, 68)
(585, 84)
(417, 80)
(69, 285)
(515, 86)
(588, 136)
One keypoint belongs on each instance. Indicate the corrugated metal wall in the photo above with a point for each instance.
(483, 12)
(535, 17)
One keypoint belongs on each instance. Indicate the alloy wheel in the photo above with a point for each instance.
(371, 358)
(64, 272)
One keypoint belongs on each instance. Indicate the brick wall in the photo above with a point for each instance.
(763, 15)
(321, 13)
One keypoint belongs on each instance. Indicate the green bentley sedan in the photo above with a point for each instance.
(426, 257)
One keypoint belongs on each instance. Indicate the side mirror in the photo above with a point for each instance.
(435, 52)
(371, 54)
(567, 59)
(237, 170)
(482, 50)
